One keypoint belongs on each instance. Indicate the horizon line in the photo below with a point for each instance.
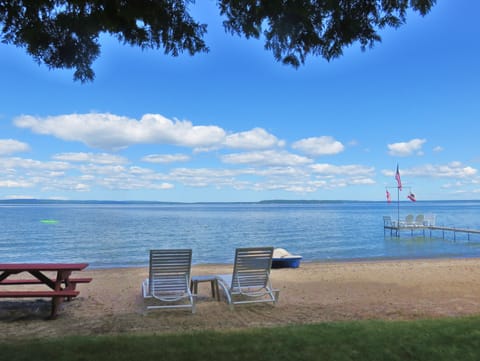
(266, 201)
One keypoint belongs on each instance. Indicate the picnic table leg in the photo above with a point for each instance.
(56, 302)
(71, 286)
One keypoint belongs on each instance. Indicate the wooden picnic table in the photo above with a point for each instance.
(60, 287)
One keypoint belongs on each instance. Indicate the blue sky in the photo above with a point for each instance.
(234, 125)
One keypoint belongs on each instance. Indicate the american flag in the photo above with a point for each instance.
(388, 196)
(397, 177)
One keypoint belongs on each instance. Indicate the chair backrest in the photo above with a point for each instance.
(429, 219)
(409, 219)
(170, 270)
(419, 219)
(252, 267)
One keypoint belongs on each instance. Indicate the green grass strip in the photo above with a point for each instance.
(436, 340)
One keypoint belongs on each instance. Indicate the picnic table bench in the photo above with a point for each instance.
(59, 288)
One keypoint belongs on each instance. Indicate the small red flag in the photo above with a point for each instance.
(388, 196)
(397, 177)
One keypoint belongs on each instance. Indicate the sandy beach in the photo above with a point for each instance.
(315, 292)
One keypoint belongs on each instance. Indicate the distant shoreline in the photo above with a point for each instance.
(268, 201)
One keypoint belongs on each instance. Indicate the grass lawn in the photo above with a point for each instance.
(436, 340)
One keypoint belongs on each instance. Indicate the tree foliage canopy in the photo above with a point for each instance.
(65, 33)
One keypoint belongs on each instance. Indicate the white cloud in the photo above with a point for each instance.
(117, 177)
(438, 149)
(86, 177)
(100, 158)
(287, 186)
(166, 158)
(204, 177)
(296, 179)
(7, 183)
(140, 171)
(453, 185)
(164, 186)
(19, 196)
(113, 132)
(10, 146)
(265, 166)
(451, 170)
(31, 164)
(265, 171)
(96, 173)
(349, 170)
(81, 187)
(266, 158)
(108, 131)
(318, 146)
(361, 181)
(404, 149)
(100, 169)
(256, 138)
(339, 176)
(288, 171)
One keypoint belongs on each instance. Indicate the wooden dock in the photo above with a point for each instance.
(395, 229)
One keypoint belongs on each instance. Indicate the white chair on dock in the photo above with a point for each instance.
(409, 221)
(387, 221)
(419, 220)
(429, 220)
(389, 224)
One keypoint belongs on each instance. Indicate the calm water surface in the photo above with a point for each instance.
(109, 235)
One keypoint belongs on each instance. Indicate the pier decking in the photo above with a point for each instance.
(397, 229)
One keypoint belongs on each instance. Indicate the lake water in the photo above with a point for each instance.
(110, 235)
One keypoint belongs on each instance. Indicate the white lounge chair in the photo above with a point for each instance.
(250, 280)
(409, 221)
(389, 224)
(429, 220)
(169, 279)
(419, 220)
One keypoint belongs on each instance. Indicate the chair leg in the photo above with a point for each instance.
(217, 291)
(212, 287)
(276, 295)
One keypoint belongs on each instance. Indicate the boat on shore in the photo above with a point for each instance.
(284, 259)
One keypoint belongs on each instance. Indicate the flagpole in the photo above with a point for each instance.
(398, 210)
(399, 188)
